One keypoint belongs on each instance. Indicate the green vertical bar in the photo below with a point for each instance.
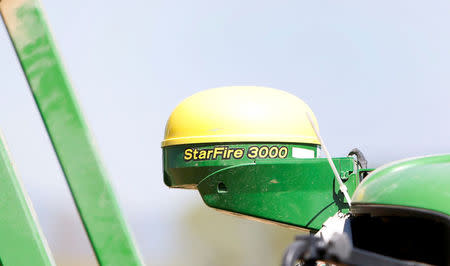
(91, 190)
(22, 242)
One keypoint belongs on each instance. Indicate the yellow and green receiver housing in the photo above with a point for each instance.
(252, 151)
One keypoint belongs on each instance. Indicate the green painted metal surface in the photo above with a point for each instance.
(292, 191)
(179, 172)
(90, 187)
(301, 193)
(419, 183)
(22, 241)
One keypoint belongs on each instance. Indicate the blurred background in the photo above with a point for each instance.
(387, 63)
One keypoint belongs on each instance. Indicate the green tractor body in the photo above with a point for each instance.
(420, 184)
(402, 210)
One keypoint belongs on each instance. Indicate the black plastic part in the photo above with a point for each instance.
(402, 232)
(339, 250)
(359, 156)
(361, 160)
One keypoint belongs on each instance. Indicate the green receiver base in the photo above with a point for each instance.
(280, 183)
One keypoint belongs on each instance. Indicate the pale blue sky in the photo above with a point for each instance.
(376, 74)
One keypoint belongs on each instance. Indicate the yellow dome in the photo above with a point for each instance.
(240, 114)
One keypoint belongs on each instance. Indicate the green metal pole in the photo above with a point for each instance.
(22, 241)
(90, 187)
